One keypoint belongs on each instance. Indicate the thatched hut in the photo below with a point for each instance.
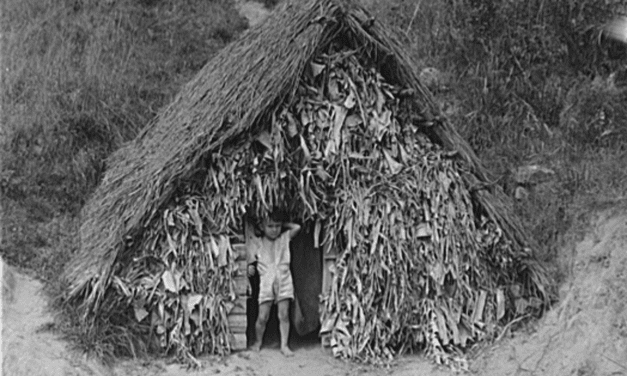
(318, 111)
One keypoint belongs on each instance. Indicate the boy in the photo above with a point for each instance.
(272, 254)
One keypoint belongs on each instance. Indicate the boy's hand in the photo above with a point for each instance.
(251, 270)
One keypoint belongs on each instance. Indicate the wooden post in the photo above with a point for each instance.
(329, 258)
(238, 315)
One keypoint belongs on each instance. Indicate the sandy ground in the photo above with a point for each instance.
(585, 334)
(27, 347)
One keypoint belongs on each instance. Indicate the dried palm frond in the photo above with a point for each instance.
(177, 290)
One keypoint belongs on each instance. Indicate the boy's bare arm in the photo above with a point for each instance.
(292, 229)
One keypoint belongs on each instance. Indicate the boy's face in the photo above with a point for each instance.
(272, 229)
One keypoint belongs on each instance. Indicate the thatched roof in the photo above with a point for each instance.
(224, 102)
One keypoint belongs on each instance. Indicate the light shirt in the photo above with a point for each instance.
(271, 255)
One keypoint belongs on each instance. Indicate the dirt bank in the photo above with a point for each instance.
(586, 333)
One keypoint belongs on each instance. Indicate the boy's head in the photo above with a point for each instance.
(272, 228)
(273, 224)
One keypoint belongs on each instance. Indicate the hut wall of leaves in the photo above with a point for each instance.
(317, 111)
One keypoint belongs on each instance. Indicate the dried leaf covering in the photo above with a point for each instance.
(176, 292)
(421, 266)
(332, 126)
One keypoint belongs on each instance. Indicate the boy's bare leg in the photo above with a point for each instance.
(260, 325)
(284, 326)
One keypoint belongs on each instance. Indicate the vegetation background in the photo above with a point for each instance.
(527, 83)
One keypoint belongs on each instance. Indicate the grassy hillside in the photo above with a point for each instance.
(527, 83)
(80, 78)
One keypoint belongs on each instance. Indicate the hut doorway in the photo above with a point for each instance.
(307, 275)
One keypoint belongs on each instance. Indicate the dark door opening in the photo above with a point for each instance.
(306, 267)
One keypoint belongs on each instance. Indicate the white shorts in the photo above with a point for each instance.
(274, 287)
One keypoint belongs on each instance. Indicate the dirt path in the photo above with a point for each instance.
(585, 334)
(28, 349)
(306, 362)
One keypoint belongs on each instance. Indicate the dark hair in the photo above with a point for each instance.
(278, 215)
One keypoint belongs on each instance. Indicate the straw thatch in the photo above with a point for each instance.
(222, 106)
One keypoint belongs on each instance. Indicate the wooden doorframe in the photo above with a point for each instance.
(238, 315)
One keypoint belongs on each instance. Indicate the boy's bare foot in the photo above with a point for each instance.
(256, 347)
(287, 352)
